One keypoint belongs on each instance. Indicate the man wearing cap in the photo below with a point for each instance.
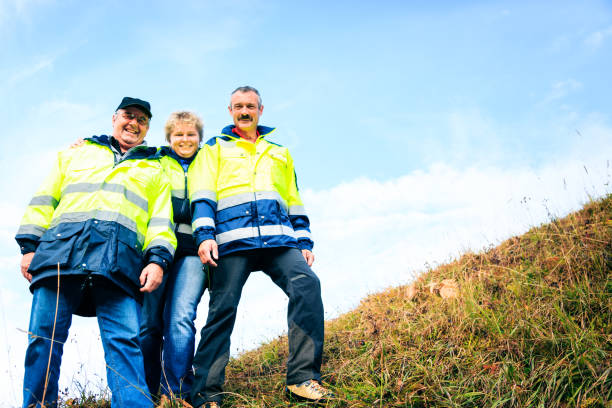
(248, 216)
(95, 237)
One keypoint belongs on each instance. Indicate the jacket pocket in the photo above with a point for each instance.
(129, 258)
(278, 171)
(55, 246)
(281, 160)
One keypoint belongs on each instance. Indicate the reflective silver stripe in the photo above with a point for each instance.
(277, 230)
(129, 195)
(44, 200)
(178, 193)
(235, 200)
(75, 217)
(297, 210)
(31, 229)
(204, 194)
(99, 215)
(226, 143)
(184, 229)
(249, 197)
(203, 222)
(252, 232)
(271, 195)
(162, 243)
(303, 234)
(161, 222)
(81, 188)
(239, 233)
(112, 187)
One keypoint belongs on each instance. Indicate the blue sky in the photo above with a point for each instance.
(335, 77)
(419, 130)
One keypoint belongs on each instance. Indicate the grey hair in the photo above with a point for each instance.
(245, 89)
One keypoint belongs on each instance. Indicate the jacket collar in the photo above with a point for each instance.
(141, 151)
(262, 131)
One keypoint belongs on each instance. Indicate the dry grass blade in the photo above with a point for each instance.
(52, 337)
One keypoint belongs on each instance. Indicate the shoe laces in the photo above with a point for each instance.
(315, 386)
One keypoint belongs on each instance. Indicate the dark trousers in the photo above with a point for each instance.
(288, 270)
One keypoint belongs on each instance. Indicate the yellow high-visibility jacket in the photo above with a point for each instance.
(98, 215)
(245, 195)
(181, 215)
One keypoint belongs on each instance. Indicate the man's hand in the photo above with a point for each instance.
(208, 252)
(25, 265)
(308, 256)
(151, 277)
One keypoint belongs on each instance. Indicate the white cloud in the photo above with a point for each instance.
(561, 89)
(472, 134)
(596, 39)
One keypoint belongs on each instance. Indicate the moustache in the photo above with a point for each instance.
(245, 116)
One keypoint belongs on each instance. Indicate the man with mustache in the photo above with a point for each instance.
(95, 237)
(248, 216)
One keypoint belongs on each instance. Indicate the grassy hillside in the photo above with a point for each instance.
(524, 324)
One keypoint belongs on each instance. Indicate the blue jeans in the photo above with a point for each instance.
(118, 319)
(167, 332)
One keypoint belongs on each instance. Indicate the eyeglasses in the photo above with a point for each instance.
(142, 120)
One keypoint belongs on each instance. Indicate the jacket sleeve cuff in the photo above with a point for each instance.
(305, 244)
(202, 234)
(26, 246)
(162, 261)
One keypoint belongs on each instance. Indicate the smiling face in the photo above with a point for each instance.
(184, 139)
(245, 110)
(130, 126)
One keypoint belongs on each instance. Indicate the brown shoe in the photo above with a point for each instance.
(310, 390)
(210, 404)
(182, 403)
(165, 402)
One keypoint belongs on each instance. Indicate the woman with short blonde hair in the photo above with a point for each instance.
(167, 330)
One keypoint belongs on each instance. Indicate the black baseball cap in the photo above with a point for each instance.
(143, 105)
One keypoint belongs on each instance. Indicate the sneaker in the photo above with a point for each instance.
(310, 390)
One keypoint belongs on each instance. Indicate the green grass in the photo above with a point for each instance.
(531, 327)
